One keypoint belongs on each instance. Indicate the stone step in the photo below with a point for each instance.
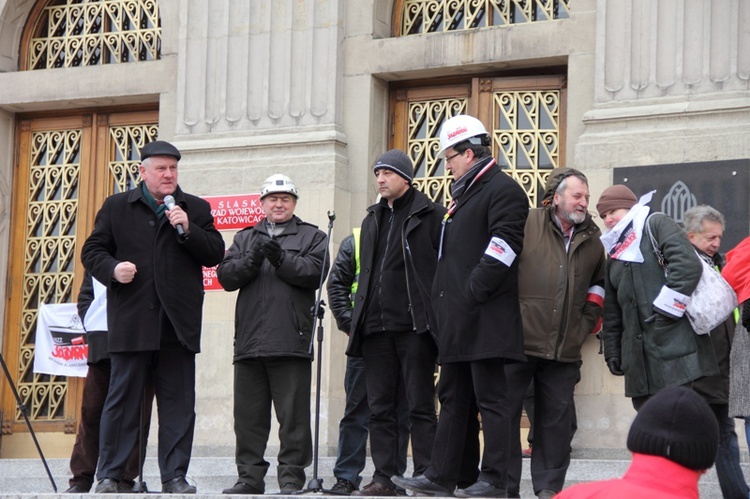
(27, 478)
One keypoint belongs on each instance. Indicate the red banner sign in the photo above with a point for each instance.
(235, 212)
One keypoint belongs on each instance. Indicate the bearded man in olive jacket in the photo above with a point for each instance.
(561, 288)
(149, 255)
(475, 297)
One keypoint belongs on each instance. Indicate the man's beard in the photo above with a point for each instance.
(575, 216)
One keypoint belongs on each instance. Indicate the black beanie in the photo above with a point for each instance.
(397, 161)
(679, 425)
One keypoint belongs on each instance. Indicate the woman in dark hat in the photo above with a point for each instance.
(647, 338)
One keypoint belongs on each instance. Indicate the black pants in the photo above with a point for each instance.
(392, 359)
(554, 420)
(463, 387)
(173, 371)
(85, 453)
(285, 382)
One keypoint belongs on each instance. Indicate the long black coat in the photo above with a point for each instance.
(169, 273)
(475, 296)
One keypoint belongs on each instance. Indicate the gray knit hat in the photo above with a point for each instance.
(679, 425)
(397, 161)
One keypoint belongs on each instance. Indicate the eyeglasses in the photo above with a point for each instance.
(449, 158)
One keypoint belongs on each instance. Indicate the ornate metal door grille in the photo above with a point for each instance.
(61, 196)
(522, 115)
(69, 33)
(430, 16)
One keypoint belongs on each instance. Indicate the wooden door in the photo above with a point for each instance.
(65, 168)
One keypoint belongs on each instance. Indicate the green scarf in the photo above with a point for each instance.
(158, 207)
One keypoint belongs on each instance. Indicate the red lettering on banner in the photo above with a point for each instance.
(210, 280)
(68, 353)
(235, 212)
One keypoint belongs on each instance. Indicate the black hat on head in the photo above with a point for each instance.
(679, 425)
(397, 161)
(159, 148)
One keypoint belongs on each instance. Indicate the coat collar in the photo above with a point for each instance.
(135, 195)
(291, 228)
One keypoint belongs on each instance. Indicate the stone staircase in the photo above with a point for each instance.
(27, 478)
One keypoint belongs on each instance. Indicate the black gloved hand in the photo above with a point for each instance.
(659, 317)
(615, 366)
(256, 255)
(272, 250)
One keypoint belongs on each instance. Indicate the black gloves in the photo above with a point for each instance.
(614, 365)
(272, 250)
(256, 255)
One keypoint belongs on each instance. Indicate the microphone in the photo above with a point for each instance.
(169, 201)
(331, 215)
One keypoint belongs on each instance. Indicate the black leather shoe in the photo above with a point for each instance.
(288, 488)
(242, 488)
(77, 489)
(177, 485)
(376, 489)
(423, 485)
(106, 486)
(126, 487)
(482, 489)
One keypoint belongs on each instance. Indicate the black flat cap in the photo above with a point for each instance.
(159, 148)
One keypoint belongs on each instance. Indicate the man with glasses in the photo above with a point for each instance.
(475, 297)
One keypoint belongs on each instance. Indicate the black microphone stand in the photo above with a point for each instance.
(316, 484)
(25, 414)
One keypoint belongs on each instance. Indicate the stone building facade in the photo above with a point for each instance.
(313, 89)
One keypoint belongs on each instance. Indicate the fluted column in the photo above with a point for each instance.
(672, 47)
(257, 64)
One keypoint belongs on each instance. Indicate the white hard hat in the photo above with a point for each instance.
(278, 183)
(461, 128)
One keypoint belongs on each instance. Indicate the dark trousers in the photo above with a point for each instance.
(554, 420)
(353, 428)
(463, 387)
(86, 448)
(392, 359)
(728, 470)
(285, 382)
(173, 372)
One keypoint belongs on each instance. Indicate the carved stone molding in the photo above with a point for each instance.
(257, 65)
(671, 48)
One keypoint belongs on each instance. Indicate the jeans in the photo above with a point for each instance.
(352, 449)
(731, 479)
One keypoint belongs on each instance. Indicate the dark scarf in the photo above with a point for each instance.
(460, 185)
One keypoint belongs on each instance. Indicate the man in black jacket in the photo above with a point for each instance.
(276, 265)
(149, 255)
(392, 322)
(353, 427)
(479, 319)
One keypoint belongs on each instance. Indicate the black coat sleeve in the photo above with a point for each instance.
(340, 280)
